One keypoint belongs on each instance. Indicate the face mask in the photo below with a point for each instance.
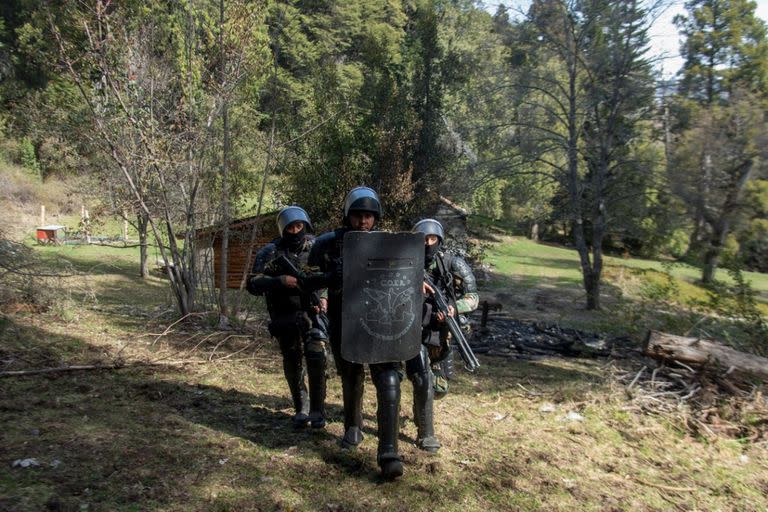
(293, 240)
(430, 251)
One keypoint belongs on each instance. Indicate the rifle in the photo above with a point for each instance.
(465, 351)
(308, 283)
(283, 266)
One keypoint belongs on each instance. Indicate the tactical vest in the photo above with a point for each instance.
(288, 300)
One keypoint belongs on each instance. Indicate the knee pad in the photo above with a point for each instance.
(419, 363)
(314, 348)
(421, 380)
(386, 378)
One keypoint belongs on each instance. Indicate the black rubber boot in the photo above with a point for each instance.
(423, 411)
(353, 436)
(352, 386)
(294, 375)
(317, 388)
(391, 466)
(387, 381)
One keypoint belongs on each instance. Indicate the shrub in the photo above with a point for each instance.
(742, 323)
(754, 245)
(677, 244)
(28, 158)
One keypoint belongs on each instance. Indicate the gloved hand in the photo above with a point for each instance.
(259, 285)
(312, 282)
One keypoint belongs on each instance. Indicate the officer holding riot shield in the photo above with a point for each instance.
(430, 370)
(374, 289)
(297, 317)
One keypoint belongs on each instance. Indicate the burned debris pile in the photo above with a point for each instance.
(507, 337)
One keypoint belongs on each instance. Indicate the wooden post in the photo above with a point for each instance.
(42, 215)
(87, 225)
(125, 229)
(487, 306)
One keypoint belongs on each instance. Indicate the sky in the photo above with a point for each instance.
(665, 41)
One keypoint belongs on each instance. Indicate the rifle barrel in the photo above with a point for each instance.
(465, 350)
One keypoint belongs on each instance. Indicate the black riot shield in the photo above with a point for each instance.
(382, 296)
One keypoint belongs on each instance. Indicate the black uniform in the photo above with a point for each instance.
(430, 370)
(298, 329)
(326, 254)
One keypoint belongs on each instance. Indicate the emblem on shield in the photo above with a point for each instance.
(390, 315)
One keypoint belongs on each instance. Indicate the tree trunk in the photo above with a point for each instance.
(592, 287)
(722, 224)
(696, 239)
(705, 353)
(535, 232)
(223, 277)
(142, 223)
(714, 249)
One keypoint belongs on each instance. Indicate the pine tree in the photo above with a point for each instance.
(724, 47)
(726, 65)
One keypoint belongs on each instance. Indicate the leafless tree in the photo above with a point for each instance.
(156, 113)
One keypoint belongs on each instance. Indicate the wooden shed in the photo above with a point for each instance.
(53, 234)
(240, 234)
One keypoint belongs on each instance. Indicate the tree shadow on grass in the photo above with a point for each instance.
(264, 420)
(559, 377)
(149, 438)
(112, 439)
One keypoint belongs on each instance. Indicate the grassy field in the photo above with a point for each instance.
(543, 282)
(534, 262)
(215, 435)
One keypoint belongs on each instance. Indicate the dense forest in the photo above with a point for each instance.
(554, 121)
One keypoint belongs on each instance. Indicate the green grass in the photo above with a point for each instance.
(533, 262)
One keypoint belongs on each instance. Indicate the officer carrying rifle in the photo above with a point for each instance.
(297, 315)
(453, 292)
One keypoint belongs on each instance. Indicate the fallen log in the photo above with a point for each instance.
(703, 353)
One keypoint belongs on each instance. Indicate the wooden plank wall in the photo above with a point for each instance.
(238, 251)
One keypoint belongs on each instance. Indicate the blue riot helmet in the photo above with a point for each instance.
(429, 227)
(362, 199)
(291, 214)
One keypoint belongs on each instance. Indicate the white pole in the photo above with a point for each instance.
(87, 224)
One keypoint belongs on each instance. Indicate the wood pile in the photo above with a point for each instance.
(699, 401)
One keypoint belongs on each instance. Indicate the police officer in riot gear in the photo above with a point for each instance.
(430, 370)
(362, 210)
(297, 316)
